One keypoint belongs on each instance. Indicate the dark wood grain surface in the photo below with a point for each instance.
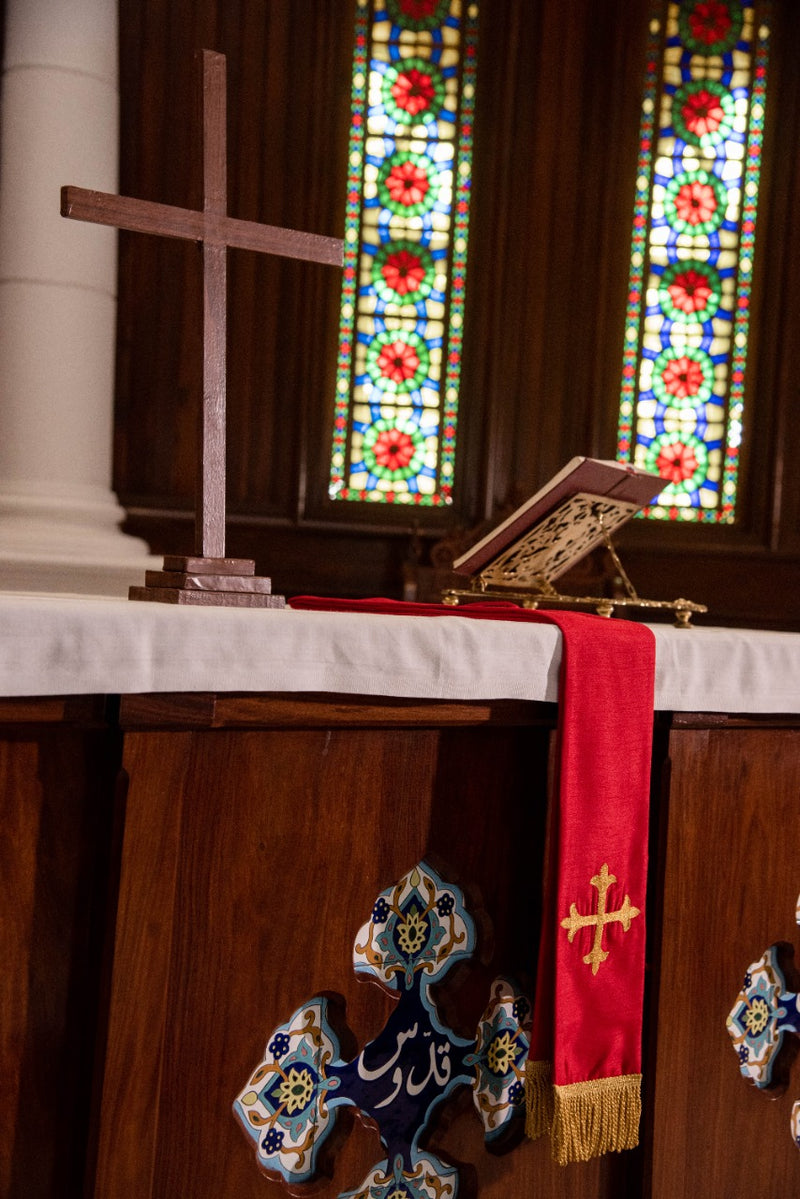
(265, 851)
(56, 806)
(731, 878)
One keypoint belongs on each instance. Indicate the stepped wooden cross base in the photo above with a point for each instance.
(225, 582)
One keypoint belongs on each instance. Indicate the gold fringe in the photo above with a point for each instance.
(538, 1099)
(596, 1117)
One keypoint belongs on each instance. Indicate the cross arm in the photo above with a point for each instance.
(144, 216)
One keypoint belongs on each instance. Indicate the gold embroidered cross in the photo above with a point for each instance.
(600, 918)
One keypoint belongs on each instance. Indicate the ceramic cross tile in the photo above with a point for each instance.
(766, 1009)
(418, 929)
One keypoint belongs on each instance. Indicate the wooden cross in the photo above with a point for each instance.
(209, 577)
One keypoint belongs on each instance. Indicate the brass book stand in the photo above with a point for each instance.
(520, 561)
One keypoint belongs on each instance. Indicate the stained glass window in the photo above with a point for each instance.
(694, 225)
(406, 226)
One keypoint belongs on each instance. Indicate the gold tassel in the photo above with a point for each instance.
(595, 1117)
(538, 1099)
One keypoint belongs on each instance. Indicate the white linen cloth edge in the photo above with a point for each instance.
(85, 645)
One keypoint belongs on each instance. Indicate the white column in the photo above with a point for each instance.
(59, 125)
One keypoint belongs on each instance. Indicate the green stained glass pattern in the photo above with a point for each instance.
(685, 352)
(406, 226)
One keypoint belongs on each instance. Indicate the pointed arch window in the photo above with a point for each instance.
(686, 334)
(407, 216)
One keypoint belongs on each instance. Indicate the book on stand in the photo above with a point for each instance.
(574, 513)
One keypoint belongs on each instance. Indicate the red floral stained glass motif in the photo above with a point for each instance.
(418, 10)
(403, 271)
(677, 462)
(398, 361)
(393, 449)
(420, 13)
(702, 112)
(407, 183)
(695, 203)
(710, 26)
(710, 22)
(682, 377)
(681, 459)
(690, 291)
(413, 91)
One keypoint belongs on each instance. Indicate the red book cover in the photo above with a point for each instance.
(624, 490)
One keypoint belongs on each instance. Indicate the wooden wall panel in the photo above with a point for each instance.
(288, 111)
(56, 815)
(251, 860)
(731, 876)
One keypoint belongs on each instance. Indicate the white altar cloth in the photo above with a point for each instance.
(60, 645)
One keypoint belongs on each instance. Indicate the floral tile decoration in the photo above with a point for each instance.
(765, 1011)
(418, 929)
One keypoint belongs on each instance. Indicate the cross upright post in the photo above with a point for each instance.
(210, 517)
(208, 577)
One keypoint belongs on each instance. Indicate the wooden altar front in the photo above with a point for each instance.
(181, 871)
